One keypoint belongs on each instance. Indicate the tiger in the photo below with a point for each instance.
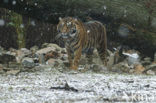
(78, 36)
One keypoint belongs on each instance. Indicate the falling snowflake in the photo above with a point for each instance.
(33, 23)
(25, 8)
(123, 31)
(88, 31)
(22, 26)
(105, 7)
(14, 2)
(35, 4)
(153, 23)
(2, 22)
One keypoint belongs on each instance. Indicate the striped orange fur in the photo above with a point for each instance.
(78, 35)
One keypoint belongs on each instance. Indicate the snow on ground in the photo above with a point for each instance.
(34, 87)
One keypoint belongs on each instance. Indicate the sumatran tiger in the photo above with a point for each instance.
(78, 36)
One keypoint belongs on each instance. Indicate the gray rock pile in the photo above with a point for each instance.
(14, 61)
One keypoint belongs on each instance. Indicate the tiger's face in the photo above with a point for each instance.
(67, 28)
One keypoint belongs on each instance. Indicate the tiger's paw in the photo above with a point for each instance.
(74, 67)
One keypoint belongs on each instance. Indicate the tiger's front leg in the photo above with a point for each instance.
(69, 57)
(77, 56)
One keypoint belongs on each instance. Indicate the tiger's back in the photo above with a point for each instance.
(96, 34)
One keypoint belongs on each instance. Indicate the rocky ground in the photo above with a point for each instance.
(42, 75)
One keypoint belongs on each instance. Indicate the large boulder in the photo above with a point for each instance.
(28, 62)
(5, 58)
(20, 54)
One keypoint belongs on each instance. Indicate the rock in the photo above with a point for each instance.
(58, 62)
(45, 45)
(1, 49)
(139, 69)
(64, 57)
(83, 61)
(51, 62)
(1, 67)
(121, 67)
(5, 58)
(12, 50)
(131, 71)
(146, 61)
(28, 62)
(95, 53)
(13, 72)
(154, 62)
(114, 58)
(132, 58)
(26, 51)
(150, 72)
(155, 57)
(151, 67)
(34, 49)
(47, 53)
(110, 62)
(41, 59)
(64, 51)
(23, 52)
(57, 48)
(54, 62)
(36, 60)
(44, 51)
(52, 54)
(95, 67)
(98, 68)
(66, 64)
(14, 65)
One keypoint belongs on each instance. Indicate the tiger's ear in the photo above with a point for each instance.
(60, 18)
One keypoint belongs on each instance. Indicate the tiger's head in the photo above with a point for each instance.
(67, 28)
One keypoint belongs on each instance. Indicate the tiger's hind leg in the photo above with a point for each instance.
(102, 51)
(89, 55)
(102, 47)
